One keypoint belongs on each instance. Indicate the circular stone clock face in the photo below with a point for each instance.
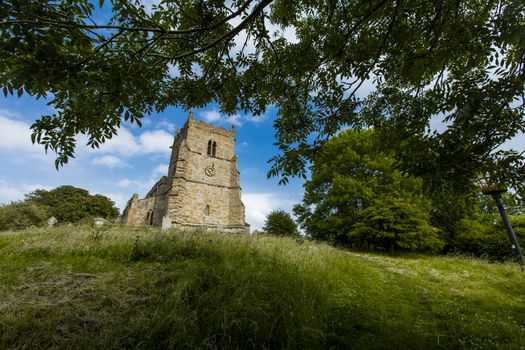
(210, 170)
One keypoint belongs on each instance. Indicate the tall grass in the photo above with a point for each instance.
(75, 287)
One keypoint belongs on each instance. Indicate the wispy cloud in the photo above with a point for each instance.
(166, 125)
(215, 117)
(249, 171)
(110, 162)
(126, 144)
(10, 192)
(141, 186)
(259, 205)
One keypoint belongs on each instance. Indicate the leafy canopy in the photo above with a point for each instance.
(461, 62)
(280, 223)
(348, 176)
(72, 204)
(396, 224)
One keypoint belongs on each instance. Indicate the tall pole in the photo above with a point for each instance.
(508, 227)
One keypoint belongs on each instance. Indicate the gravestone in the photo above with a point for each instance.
(166, 223)
(51, 221)
(98, 222)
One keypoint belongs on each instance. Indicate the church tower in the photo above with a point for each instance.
(201, 189)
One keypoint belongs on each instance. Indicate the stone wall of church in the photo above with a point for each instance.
(201, 189)
(136, 212)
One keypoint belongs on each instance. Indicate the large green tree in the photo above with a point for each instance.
(353, 181)
(462, 62)
(73, 204)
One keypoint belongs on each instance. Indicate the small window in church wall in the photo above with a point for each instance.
(209, 148)
(214, 148)
(207, 210)
(149, 218)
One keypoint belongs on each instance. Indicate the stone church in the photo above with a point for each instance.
(201, 189)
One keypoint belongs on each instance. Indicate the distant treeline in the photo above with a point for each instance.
(67, 204)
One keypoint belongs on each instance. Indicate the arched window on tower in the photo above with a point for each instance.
(207, 210)
(209, 148)
(214, 148)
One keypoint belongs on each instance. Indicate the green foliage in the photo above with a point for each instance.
(513, 203)
(350, 176)
(396, 224)
(280, 223)
(460, 62)
(485, 236)
(153, 289)
(72, 204)
(20, 215)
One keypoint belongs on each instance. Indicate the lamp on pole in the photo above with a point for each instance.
(491, 188)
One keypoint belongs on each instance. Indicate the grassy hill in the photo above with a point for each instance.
(73, 287)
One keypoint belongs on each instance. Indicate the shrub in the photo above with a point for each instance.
(486, 237)
(395, 224)
(280, 223)
(18, 215)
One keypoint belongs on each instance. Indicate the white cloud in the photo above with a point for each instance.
(142, 187)
(249, 171)
(211, 116)
(259, 205)
(15, 139)
(110, 161)
(158, 141)
(136, 185)
(127, 144)
(124, 183)
(10, 192)
(160, 170)
(120, 199)
(215, 117)
(166, 125)
(15, 135)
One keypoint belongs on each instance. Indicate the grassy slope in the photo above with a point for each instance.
(72, 287)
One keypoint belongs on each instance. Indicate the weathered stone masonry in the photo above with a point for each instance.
(202, 187)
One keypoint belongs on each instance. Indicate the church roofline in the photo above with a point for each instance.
(220, 130)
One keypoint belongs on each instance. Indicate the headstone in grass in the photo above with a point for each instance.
(98, 222)
(166, 222)
(51, 221)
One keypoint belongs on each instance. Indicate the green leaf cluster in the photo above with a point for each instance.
(396, 224)
(19, 215)
(356, 197)
(484, 236)
(280, 223)
(72, 204)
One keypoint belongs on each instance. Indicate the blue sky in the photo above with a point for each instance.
(136, 158)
